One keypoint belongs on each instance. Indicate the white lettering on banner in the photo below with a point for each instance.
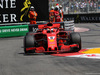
(15, 30)
(84, 18)
(13, 18)
(7, 5)
(1, 5)
(6, 17)
(12, 4)
(23, 29)
(6, 30)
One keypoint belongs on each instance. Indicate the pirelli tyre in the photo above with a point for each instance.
(29, 42)
(75, 38)
(29, 33)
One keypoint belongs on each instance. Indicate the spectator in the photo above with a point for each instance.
(95, 6)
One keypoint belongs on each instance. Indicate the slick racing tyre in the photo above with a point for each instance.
(75, 38)
(29, 33)
(28, 42)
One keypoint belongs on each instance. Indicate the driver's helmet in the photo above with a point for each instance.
(32, 8)
(49, 24)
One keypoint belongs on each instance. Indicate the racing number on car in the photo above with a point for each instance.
(35, 29)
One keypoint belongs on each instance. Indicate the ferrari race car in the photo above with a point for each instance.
(50, 38)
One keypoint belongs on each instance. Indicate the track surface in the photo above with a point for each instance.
(14, 62)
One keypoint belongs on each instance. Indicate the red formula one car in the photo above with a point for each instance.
(50, 38)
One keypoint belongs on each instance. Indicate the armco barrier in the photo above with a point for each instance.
(69, 25)
(11, 31)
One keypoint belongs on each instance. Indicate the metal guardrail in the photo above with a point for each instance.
(20, 23)
(69, 25)
(11, 24)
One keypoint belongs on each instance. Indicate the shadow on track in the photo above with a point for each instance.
(32, 54)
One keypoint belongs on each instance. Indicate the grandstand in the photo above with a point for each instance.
(78, 6)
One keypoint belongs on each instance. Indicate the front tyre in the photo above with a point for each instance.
(28, 42)
(75, 38)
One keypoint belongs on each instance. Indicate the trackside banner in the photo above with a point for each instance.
(83, 18)
(11, 31)
(13, 11)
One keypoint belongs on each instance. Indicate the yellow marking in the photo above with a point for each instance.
(91, 51)
(27, 5)
(51, 40)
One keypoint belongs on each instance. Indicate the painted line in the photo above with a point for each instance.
(94, 56)
(93, 53)
(70, 54)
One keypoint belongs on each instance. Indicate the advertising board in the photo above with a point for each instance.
(13, 31)
(13, 11)
(83, 18)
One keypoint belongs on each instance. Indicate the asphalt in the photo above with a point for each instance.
(14, 62)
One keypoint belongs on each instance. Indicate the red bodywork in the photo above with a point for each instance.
(53, 39)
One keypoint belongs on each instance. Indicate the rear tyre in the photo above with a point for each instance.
(75, 38)
(28, 42)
